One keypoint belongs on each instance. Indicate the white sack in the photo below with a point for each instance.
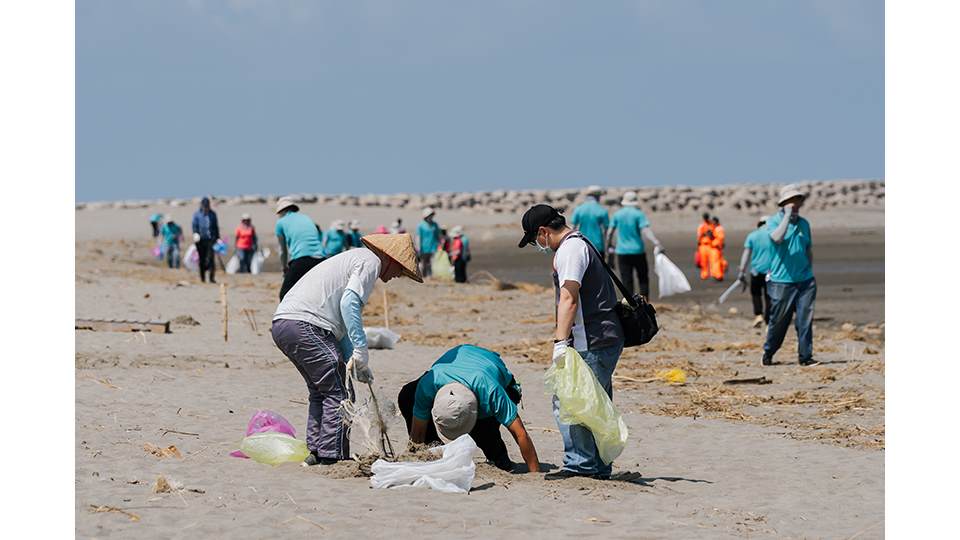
(672, 281)
(452, 473)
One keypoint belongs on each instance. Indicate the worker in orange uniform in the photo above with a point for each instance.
(701, 257)
(718, 265)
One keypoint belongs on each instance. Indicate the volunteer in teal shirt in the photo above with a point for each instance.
(300, 235)
(629, 226)
(790, 261)
(428, 239)
(790, 284)
(300, 243)
(758, 253)
(591, 219)
(497, 393)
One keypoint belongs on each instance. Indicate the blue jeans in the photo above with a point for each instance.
(785, 299)
(580, 454)
(173, 255)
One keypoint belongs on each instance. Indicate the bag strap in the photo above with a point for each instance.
(623, 290)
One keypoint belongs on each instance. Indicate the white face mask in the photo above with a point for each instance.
(542, 249)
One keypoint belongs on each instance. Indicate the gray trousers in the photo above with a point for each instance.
(314, 352)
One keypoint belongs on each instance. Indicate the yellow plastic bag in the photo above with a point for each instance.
(584, 401)
(673, 376)
(273, 448)
(441, 267)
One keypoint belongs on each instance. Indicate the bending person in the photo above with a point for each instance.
(468, 390)
(318, 326)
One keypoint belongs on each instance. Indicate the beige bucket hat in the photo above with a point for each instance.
(285, 202)
(427, 212)
(398, 247)
(456, 231)
(790, 191)
(454, 411)
(593, 190)
(629, 199)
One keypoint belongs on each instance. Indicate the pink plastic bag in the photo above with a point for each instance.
(262, 421)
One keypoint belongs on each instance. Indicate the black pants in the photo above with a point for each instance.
(460, 270)
(486, 432)
(155, 227)
(295, 270)
(761, 300)
(246, 257)
(205, 253)
(628, 264)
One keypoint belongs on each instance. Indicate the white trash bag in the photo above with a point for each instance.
(672, 281)
(233, 265)
(452, 473)
(191, 260)
(380, 338)
(256, 265)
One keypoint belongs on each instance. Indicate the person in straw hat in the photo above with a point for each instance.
(591, 218)
(468, 390)
(627, 230)
(428, 236)
(790, 284)
(300, 243)
(319, 327)
(245, 243)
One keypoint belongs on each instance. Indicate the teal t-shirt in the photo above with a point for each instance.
(591, 219)
(336, 241)
(302, 237)
(629, 221)
(761, 251)
(429, 234)
(171, 233)
(480, 370)
(790, 263)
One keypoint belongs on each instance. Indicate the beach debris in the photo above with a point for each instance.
(162, 485)
(223, 301)
(673, 376)
(100, 325)
(185, 320)
(749, 380)
(380, 338)
(164, 431)
(100, 509)
(106, 382)
(251, 318)
(273, 448)
(170, 451)
(453, 472)
(264, 421)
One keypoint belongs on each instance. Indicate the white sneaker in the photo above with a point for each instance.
(758, 321)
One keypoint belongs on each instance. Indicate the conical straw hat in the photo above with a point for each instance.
(398, 247)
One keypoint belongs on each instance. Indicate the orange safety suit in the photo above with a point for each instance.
(718, 265)
(704, 254)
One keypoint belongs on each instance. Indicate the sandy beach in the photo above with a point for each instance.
(801, 457)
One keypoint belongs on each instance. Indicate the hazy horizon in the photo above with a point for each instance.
(181, 97)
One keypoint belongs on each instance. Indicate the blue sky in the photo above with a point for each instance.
(187, 97)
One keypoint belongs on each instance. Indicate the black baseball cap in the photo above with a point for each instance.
(539, 215)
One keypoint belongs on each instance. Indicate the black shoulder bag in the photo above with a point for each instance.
(637, 316)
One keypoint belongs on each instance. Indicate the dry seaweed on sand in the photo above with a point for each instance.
(103, 508)
(170, 451)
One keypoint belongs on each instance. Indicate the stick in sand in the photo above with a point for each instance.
(386, 310)
(223, 300)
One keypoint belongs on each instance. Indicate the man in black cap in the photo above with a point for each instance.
(586, 321)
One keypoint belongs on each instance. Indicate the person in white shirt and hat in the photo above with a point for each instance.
(319, 327)
(428, 236)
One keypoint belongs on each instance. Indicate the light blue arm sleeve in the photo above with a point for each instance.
(350, 308)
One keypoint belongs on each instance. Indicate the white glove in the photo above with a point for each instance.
(658, 249)
(559, 351)
(359, 365)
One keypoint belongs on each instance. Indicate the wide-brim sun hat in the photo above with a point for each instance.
(790, 191)
(629, 199)
(167, 218)
(244, 217)
(454, 411)
(285, 202)
(593, 190)
(354, 223)
(427, 212)
(456, 231)
(398, 247)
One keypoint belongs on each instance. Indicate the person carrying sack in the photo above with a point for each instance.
(587, 320)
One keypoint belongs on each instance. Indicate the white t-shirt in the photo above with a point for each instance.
(315, 298)
(570, 263)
